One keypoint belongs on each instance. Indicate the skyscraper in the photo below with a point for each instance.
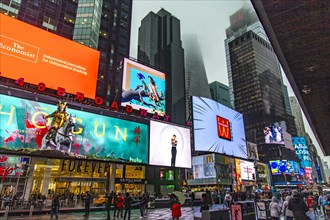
(102, 25)
(298, 119)
(195, 74)
(220, 93)
(159, 45)
(255, 81)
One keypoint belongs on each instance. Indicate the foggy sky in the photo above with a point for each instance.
(208, 19)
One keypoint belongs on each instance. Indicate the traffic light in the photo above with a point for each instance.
(253, 176)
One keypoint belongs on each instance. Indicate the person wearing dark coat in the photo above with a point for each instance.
(87, 200)
(298, 206)
(55, 207)
(127, 206)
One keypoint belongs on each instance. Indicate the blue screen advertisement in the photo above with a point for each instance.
(284, 166)
(23, 125)
(143, 87)
(302, 152)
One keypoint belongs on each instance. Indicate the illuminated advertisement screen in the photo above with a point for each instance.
(143, 87)
(274, 135)
(302, 152)
(22, 126)
(39, 56)
(218, 128)
(13, 165)
(247, 170)
(203, 166)
(284, 166)
(169, 145)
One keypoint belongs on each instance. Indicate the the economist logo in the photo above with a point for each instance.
(223, 126)
(36, 55)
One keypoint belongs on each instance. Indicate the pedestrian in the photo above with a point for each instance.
(55, 207)
(142, 204)
(204, 203)
(314, 205)
(275, 210)
(176, 209)
(114, 204)
(286, 212)
(87, 200)
(192, 195)
(227, 199)
(128, 205)
(109, 197)
(120, 205)
(298, 206)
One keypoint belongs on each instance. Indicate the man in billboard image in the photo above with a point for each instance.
(60, 116)
(174, 145)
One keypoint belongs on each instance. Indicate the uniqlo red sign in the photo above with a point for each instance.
(223, 128)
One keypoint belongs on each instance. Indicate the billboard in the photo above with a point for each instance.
(143, 87)
(284, 166)
(218, 128)
(39, 56)
(169, 145)
(248, 171)
(252, 150)
(13, 165)
(203, 166)
(302, 152)
(274, 134)
(22, 125)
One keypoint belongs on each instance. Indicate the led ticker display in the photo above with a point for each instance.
(218, 128)
(22, 125)
(39, 56)
(143, 87)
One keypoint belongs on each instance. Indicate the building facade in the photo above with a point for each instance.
(220, 93)
(255, 81)
(102, 25)
(298, 119)
(159, 45)
(195, 74)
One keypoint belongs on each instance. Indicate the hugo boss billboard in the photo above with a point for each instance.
(23, 124)
(36, 55)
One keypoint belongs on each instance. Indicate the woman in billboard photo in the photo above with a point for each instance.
(174, 144)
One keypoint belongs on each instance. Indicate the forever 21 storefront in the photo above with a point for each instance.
(101, 145)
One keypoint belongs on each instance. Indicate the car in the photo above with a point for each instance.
(100, 200)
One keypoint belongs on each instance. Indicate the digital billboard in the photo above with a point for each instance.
(274, 135)
(248, 171)
(203, 166)
(39, 56)
(284, 166)
(143, 87)
(13, 165)
(169, 145)
(302, 152)
(218, 128)
(23, 125)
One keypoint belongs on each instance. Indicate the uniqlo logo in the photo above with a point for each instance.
(223, 128)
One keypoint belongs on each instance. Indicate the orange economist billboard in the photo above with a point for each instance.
(39, 56)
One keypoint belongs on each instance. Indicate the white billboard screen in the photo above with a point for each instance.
(169, 145)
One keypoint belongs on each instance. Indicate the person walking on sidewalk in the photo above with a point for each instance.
(298, 206)
(120, 205)
(286, 212)
(114, 204)
(127, 206)
(275, 210)
(142, 204)
(87, 199)
(55, 207)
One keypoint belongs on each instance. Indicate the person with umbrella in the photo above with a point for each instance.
(175, 207)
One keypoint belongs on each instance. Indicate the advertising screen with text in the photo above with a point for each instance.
(22, 125)
(218, 128)
(39, 56)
